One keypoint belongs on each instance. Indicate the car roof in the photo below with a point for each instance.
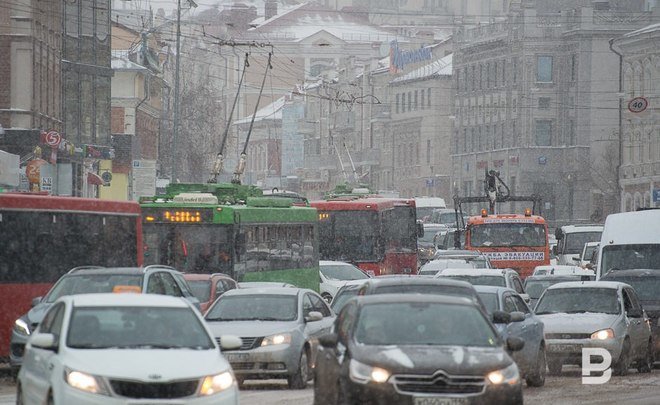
(378, 282)
(458, 252)
(582, 228)
(263, 284)
(554, 277)
(588, 284)
(493, 289)
(393, 298)
(125, 299)
(474, 272)
(118, 270)
(641, 273)
(265, 291)
(333, 262)
(204, 276)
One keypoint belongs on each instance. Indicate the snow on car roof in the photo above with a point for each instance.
(587, 284)
(126, 299)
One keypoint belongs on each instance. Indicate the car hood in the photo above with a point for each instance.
(456, 360)
(250, 328)
(576, 323)
(139, 364)
(36, 313)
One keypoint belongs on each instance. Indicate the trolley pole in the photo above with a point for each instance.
(175, 123)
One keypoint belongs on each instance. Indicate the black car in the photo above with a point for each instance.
(646, 283)
(415, 348)
(535, 285)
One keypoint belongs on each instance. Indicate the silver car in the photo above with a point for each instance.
(601, 314)
(279, 328)
(531, 359)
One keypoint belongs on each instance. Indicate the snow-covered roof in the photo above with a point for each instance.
(307, 19)
(440, 67)
(645, 30)
(120, 61)
(272, 111)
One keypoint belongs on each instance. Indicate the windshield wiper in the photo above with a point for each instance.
(89, 346)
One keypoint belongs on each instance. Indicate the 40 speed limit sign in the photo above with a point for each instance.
(638, 104)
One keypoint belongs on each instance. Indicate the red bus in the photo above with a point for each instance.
(512, 241)
(43, 237)
(379, 235)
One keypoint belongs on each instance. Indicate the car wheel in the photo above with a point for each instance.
(646, 363)
(299, 379)
(50, 400)
(327, 297)
(554, 367)
(537, 379)
(623, 363)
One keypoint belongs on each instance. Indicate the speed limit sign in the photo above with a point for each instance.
(638, 104)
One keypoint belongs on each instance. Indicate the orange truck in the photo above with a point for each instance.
(517, 241)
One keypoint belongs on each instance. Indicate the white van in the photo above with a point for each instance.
(426, 205)
(630, 240)
(571, 240)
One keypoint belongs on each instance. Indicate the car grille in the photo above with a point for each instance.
(247, 342)
(439, 383)
(134, 389)
(567, 336)
(242, 366)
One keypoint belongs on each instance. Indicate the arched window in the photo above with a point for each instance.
(647, 199)
(627, 203)
(648, 81)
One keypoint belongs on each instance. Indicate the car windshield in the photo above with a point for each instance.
(624, 257)
(575, 241)
(647, 288)
(129, 327)
(91, 283)
(423, 323)
(578, 300)
(490, 301)
(201, 289)
(497, 281)
(342, 272)
(261, 307)
(342, 297)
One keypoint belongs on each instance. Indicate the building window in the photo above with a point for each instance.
(544, 69)
(409, 100)
(543, 133)
(403, 102)
(544, 103)
(397, 103)
(571, 133)
(464, 140)
(422, 99)
(504, 72)
(428, 151)
(573, 67)
(428, 94)
(415, 104)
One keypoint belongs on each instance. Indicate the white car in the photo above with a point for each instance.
(125, 349)
(335, 275)
(434, 266)
(562, 270)
(494, 277)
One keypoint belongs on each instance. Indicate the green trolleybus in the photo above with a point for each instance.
(220, 228)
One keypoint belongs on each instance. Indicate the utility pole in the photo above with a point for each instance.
(175, 122)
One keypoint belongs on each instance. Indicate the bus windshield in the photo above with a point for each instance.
(624, 257)
(189, 248)
(349, 236)
(507, 234)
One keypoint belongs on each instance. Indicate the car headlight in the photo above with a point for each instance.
(21, 327)
(507, 375)
(362, 373)
(85, 382)
(279, 339)
(603, 334)
(216, 383)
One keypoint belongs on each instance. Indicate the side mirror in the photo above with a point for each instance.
(515, 344)
(501, 317)
(44, 341)
(313, 316)
(634, 313)
(558, 233)
(577, 259)
(589, 266)
(420, 230)
(328, 340)
(554, 250)
(230, 342)
(525, 298)
(36, 301)
(516, 316)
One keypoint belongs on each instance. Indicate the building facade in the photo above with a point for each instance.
(639, 175)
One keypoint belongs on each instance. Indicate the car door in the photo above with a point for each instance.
(38, 362)
(518, 329)
(321, 327)
(637, 327)
(316, 328)
(531, 329)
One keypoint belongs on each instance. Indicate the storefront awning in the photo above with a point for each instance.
(95, 179)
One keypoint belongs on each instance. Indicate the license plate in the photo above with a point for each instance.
(439, 401)
(563, 348)
(236, 357)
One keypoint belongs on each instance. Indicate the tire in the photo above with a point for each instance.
(50, 400)
(537, 379)
(298, 380)
(623, 363)
(645, 365)
(326, 297)
(554, 367)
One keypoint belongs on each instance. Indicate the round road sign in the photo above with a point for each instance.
(638, 104)
(53, 138)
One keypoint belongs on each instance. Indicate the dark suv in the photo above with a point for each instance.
(155, 279)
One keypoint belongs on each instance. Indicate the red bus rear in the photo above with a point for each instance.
(45, 236)
(378, 235)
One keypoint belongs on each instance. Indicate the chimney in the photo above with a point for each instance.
(270, 9)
